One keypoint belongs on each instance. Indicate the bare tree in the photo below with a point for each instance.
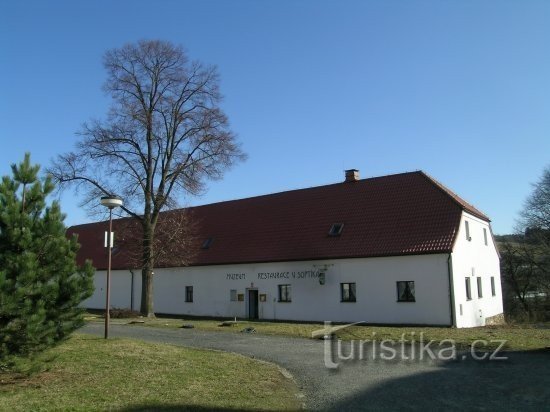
(526, 255)
(536, 211)
(164, 136)
(527, 283)
(174, 242)
(535, 220)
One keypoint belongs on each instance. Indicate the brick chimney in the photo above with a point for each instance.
(352, 175)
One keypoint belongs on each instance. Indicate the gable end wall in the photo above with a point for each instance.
(473, 259)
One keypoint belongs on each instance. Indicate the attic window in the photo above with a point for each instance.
(336, 229)
(206, 244)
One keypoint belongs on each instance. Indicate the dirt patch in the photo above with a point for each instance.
(9, 380)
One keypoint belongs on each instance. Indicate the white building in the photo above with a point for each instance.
(398, 249)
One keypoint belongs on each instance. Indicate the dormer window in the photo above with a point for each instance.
(206, 244)
(336, 229)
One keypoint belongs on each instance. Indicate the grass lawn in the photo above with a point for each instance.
(518, 337)
(90, 373)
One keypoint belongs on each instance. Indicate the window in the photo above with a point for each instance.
(405, 291)
(189, 293)
(493, 289)
(467, 225)
(336, 229)
(479, 291)
(284, 293)
(233, 295)
(347, 292)
(206, 244)
(485, 236)
(468, 290)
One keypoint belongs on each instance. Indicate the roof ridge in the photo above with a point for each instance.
(189, 208)
(298, 190)
(452, 195)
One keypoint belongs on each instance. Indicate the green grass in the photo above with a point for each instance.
(518, 337)
(90, 373)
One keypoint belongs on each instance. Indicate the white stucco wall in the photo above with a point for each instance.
(121, 290)
(472, 258)
(375, 280)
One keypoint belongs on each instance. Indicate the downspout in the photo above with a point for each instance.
(132, 291)
(451, 289)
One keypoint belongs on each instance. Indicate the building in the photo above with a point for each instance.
(397, 249)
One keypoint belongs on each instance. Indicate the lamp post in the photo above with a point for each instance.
(111, 202)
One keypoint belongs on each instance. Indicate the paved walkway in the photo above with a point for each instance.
(521, 382)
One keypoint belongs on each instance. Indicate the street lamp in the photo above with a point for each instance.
(111, 202)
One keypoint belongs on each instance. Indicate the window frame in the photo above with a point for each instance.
(493, 286)
(467, 226)
(287, 297)
(468, 289)
(479, 287)
(485, 238)
(407, 284)
(189, 294)
(352, 292)
(233, 295)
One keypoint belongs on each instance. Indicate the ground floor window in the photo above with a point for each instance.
(233, 295)
(405, 291)
(284, 293)
(468, 289)
(493, 289)
(189, 293)
(347, 292)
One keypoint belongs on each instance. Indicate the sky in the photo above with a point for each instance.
(459, 89)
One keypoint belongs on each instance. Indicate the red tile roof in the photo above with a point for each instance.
(402, 214)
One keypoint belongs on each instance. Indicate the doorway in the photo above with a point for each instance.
(252, 303)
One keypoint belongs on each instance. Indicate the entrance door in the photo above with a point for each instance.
(252, 303)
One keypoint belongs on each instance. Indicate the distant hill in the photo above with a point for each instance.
(513, 238)
(532, 235)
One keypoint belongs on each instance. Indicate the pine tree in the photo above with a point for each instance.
(41, 286)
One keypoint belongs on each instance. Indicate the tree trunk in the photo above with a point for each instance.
(147, 292)
(147, 273)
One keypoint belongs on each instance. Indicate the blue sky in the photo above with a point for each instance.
(459, 89)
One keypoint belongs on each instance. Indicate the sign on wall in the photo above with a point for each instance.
(290, 275)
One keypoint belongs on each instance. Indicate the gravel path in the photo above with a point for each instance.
(521, 382)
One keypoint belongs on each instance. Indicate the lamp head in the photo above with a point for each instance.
(111, 201)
